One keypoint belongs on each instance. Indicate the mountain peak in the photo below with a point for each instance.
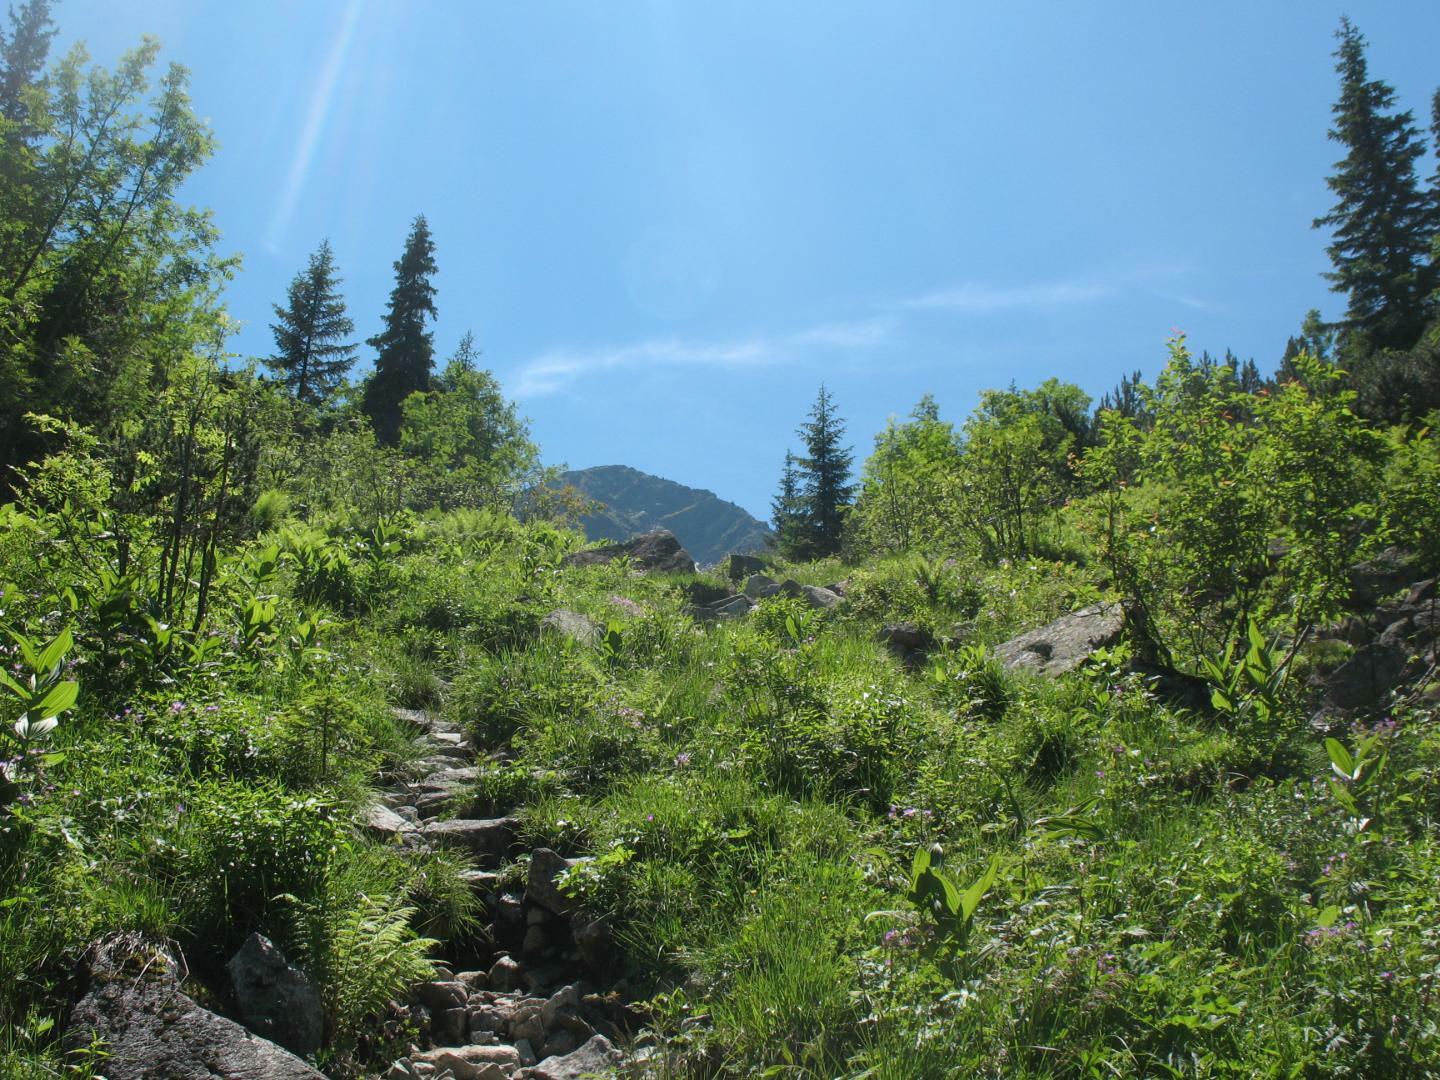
(634, 502)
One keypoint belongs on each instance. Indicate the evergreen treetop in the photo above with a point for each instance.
(312, 355)
(825, 472)
(405, 348)
(1383, 222)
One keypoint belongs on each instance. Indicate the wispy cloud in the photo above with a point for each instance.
(557, 369)
(316, 116)
(982, 299)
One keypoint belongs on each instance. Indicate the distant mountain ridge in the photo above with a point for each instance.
(635, 502)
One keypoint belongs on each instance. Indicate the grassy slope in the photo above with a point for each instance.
(756, 792)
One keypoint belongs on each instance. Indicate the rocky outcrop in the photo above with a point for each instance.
(1391, 631)
(654, 551)
(274, 998)
(150, 1027)
(633, 502)
(1063, 645)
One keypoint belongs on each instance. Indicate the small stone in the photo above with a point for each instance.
(401, 1070)
(473, 980)
(595, 940)
(597, 1056)
(526, 1052)
(758, 587)
(541, 885)
(535, 941)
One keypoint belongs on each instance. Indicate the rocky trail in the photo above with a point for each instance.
(529, 1011)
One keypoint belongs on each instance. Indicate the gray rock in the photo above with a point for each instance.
(535, 941)
(759, 587)
(571, 624)
(486, 839)
(1382, 576)
(905, 637)
(438, 996)
(732, 607)
(275, 998)
(525, 1023)
(386, 823)
(474, 1062)
(151, 1028)
(558, 1043)
(540, 886)
(742, 566)
(654, 551)
(504, 974)
(526, 1052)
(1063, 645)
(817, 597)
(596, 941)
(598, 1057)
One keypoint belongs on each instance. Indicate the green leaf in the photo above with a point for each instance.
(972, 896)
(1327, 917)
(1344, 798)
(56, 651)
(26, 649)
(61, 697)
(1340, 759)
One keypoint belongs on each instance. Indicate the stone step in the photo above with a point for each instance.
(486, 839)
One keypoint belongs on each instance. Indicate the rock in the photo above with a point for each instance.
(905, 637)
(151, 1028)
(732, 607)
(535, 941)
(386, 823)
(438, 996)
(473, 980)
(448, 777)
(526, 1024)
(742, 566)
(504, 975)
(597, 1057)
(596, 941)
(1382, 576)
(481, 882)
(1063, 645)
(759, 587)
(541, 888)
(486, 839)
(653, 551)
(474, 1062)
(562, 1013)
(571, 624)
(817, 597)
(705, 594)
(1366, 677)
(840, 588)
(274, 998)
(526, 1052)
(558, 1043)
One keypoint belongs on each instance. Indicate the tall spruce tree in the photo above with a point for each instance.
(1383, 222)
(312, 355)
(787, 511)
(825, 476)
(405, 348)
(23, 52)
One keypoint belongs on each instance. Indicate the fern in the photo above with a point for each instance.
(363, 954)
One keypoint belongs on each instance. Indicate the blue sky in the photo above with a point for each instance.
(668, 223)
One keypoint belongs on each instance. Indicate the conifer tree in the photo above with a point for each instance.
(1383, 222)
(787, 511)
(825, 471)
(312, 355)
(406, 349)
(23, 51)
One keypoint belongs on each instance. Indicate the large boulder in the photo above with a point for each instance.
(150, 1027)
(542, 884)
(1063, 645)
(486, 839)
(274, 998)
(654, 551)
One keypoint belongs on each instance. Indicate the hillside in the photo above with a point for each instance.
(636, 502)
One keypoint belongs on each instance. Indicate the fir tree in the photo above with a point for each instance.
(406, 350)
(1383, 222)
(787, 511)
(825, 470)
(312, 355)
(23, 52)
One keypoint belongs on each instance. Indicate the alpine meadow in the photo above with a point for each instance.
(1071, 735)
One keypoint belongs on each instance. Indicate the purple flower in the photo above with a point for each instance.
(682, 759)
(177, 706)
